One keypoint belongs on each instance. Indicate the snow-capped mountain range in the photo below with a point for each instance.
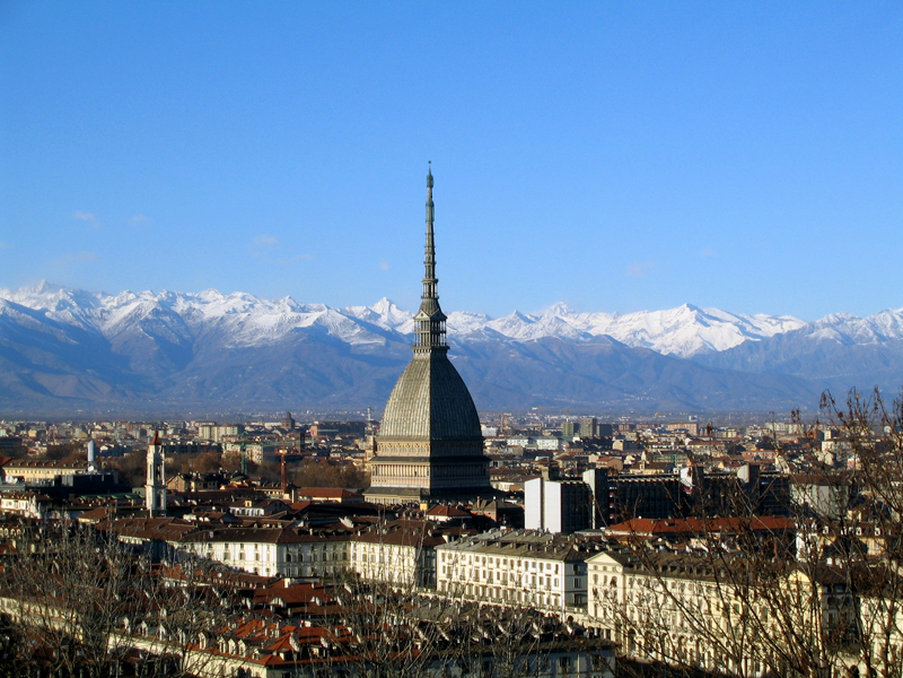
(251, 321)
(63, 349)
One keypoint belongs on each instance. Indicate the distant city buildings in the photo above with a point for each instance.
(572, 538)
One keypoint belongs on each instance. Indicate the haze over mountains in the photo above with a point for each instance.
(68, 352)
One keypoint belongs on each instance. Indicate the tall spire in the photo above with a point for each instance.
(429, 331)
(429, 254)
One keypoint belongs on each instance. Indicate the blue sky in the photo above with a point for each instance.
(614, 156)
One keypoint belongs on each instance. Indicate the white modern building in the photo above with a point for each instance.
(558, 506)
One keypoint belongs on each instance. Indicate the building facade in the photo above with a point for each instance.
(518, 568)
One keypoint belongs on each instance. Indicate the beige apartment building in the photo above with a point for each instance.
(519, 568)
(738, 616)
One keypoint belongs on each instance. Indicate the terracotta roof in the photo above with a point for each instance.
(652, 526)
(268, 535)
(293, 594)
(165, 529)
(46, 463)
(95, 515)
(448, 511)
(326, 493)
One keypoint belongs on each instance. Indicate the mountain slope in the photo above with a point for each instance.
(683, 331)
(64, 350)
(841, 350)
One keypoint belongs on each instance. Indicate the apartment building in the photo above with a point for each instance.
(32, 470)
(742, 616)
(270, 552)
(516, 568)
(400, 553)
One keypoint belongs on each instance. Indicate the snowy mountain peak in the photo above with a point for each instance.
(383, 314)
(383, 306)
(557, 309)
(835, 319)
(247, 320)
(847, 329)
(231, 348)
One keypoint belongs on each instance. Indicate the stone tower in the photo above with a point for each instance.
(429, 445)
(155, 486)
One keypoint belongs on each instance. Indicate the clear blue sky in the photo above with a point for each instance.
(617, 156)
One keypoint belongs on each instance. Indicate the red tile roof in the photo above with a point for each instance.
(643, 527)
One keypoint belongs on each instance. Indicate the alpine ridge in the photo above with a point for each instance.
(66, 350)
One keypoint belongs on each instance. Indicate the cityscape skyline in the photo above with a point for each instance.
(610, 157)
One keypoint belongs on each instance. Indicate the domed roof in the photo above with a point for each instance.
(430, 402)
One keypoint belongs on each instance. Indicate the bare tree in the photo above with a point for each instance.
(866, 538)
(69, 586)
(84, 603)
(750, 602)
(182, 603)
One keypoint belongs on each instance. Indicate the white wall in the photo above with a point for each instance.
(533, 504)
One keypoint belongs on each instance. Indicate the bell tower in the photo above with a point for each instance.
(155, 485)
